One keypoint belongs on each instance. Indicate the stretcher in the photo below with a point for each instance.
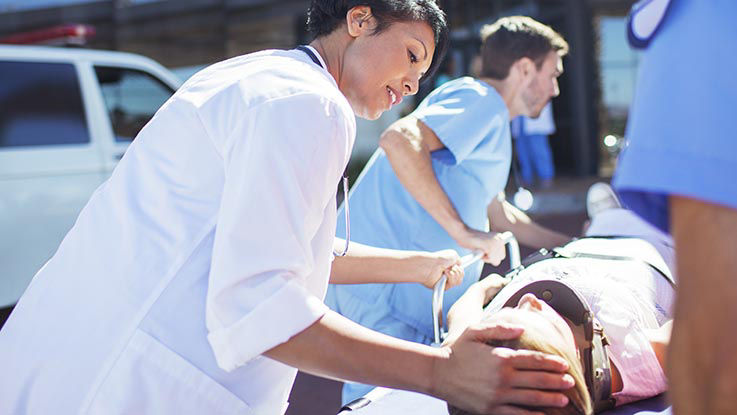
(383, 401)
(387, 401)
(510, 242)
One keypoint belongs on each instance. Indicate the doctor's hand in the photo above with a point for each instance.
(490, 243)
(439, 263)
(495, 380)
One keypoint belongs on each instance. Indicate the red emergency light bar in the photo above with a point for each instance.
(70, 34)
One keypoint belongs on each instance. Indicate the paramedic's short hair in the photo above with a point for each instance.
(512, 38)
(324, 16)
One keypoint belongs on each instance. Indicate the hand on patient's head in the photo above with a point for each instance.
(522, 372)
(543, 333)
(502, 376)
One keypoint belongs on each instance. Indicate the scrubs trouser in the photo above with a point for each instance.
(535, 157)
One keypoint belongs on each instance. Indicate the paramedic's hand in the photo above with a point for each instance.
(490, 243)
(487, 380)
(445, 262)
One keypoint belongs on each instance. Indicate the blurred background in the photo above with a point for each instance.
(187, 35)
(49, 120)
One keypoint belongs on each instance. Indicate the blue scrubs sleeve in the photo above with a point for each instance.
(681, 126)
(460, 116)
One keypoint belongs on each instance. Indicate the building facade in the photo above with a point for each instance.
(595, 89)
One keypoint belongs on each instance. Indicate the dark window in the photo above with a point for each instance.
(132, 97)
(40, 104)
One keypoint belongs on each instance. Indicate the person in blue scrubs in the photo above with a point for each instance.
(679, 172)
(533, 148)
(437, 170)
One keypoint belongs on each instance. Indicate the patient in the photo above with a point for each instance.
(631, 300)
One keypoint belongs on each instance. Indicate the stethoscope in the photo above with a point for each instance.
(314, 58)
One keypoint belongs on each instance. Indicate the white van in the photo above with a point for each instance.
(66, 118)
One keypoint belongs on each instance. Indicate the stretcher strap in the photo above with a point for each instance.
(563, 252)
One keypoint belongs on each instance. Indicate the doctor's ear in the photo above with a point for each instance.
(360, 21)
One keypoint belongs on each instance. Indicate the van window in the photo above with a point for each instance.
(40, 104)
(131, 97)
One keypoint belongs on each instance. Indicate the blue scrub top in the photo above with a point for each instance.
(472, 120)
(681, 130)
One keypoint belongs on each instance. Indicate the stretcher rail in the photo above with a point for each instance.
(513, 254)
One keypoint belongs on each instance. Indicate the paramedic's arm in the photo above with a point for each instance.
(467, 373)
(702, 361)
(503, 216)
(408, 143)
(366, 264)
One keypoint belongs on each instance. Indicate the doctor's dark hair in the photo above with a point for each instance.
(509, 39)
(324, 16)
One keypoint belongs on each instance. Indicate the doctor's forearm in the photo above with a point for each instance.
(467, 373)
(339, 348)
(368, 264)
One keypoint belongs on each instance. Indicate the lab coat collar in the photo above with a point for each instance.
(319, 57)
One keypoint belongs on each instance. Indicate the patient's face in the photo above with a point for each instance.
(539, 319)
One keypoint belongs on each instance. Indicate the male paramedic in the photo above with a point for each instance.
(437, 170)
(192, 281)
(679, 172)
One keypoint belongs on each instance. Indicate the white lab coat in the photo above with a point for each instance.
(210, 244)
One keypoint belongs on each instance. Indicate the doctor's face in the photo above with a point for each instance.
(380, 69)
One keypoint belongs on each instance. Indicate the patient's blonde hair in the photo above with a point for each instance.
(579, 400)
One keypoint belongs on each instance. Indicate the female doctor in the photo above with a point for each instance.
(192, 282)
